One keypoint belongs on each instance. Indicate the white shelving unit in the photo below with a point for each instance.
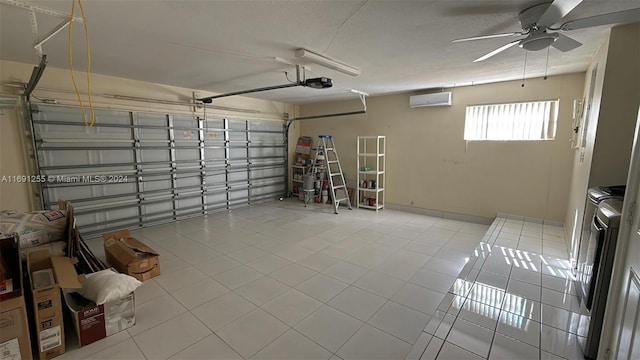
(371, 172)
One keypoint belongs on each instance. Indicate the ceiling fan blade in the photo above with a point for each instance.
(619, 17)
(482, 37)
(565, 43)
(497, 51)
(557, 10)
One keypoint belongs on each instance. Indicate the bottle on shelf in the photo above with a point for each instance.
(299, 169)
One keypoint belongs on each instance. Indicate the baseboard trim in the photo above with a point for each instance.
(531, 219)
(441, 214)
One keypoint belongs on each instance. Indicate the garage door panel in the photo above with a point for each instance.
(59, 158)
(238, 176)
(213, 156)
(267, 151)
(175, 165)
(190, 154)
(237, 130)
(157, 205)
(155, 188)
(268, 155)
(155, 155)
(88, 192)
(55, 132)
(103, 219)
(238, 193)
(190, 181)
(268, 172)
(238, 153)
(64, 114)
(154, 134)
(189, 204)
(151, 120)
(267, 190)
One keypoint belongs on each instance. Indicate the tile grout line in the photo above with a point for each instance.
(444, 341)
(541, 307)
(500, 313)
(138, 346)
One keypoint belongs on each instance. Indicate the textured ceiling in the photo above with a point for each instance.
(226, 46)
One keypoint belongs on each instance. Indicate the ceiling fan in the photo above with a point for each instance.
(539, 32)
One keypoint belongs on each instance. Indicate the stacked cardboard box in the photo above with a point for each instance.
(130, 256)
(14, 326)
(47, 305)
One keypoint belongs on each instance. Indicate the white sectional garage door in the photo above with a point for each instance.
(133, 169)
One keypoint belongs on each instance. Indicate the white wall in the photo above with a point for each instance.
(12, 162)
(430, 166)
(618, 108)
(604, 160)
(583, 156)
(56, 84)
(612, 151)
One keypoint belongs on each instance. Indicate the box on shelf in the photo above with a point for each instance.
(130, 256)
(303, 145)
(46, 281)
(14, 326)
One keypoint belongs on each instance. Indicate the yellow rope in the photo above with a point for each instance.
(86, 37)
(73, 78)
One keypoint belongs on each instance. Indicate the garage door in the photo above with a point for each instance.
(133, 169)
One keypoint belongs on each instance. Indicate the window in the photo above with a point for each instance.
(535, 120)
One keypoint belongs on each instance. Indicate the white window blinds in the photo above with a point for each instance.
(535, 120)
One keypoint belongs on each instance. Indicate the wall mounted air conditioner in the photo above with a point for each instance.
(437, 99)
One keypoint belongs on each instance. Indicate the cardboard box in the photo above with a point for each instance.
(94, 322)
(14, 329)
(47, 306)
(130, 256)
(14, 326)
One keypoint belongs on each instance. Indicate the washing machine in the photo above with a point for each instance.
(595, 195)
(598, 266)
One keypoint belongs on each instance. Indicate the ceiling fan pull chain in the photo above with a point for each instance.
(524, 68)
(546, 65)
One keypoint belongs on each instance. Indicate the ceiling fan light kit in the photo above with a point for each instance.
(327, 62)
(536, 42)
(537, 26)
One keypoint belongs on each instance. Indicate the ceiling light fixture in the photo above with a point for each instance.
(327, 62)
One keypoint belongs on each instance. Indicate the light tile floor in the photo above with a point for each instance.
(513, 299)
(281, 281)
